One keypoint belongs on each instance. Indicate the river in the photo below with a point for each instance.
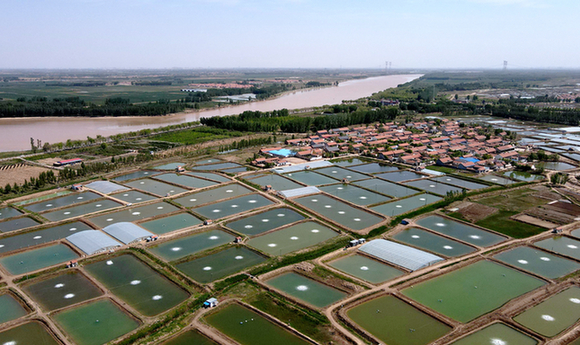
(15, 133)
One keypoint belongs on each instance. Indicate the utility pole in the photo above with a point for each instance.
(505, 63)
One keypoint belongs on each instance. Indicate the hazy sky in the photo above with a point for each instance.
(288, 33)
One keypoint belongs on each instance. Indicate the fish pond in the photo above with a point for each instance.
(367, 269)
(28, 333)
(538, 262)
(11, 308)
(185, 180)
(190, 338)
(387, 188)
(80, 210)
(400, 176)
(523, 176)
(459, 182)
(250, 328)
(133, 196)
(171, 223)
(341, 173)
(434, 187)
(28, 239)
(134, 175)
(67, 200)
(373, 168)
(339, 212)
(61, 291)
(218, 166)
(561, 245)
(169, 166)
(232, 206)
(277, 182)
(292, 238)
(9, 212)
(210, 176)
(559, 166)
(434, 243)
(460, 231)
(155, 187)
(310, 178)
(214, 194)
(265, 221)
(395, 322)
(221, 264)
(348, 162)
(497, 334)
(36, 259)
(496, 179)
(137, 284)
(354, 194)
(17, 224)
(401, 206)
(133, 213)
(95, 323)
(306, 289)
(553, 315)
(184, 246)
(472, 291)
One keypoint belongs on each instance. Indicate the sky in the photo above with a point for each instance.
(289, 33)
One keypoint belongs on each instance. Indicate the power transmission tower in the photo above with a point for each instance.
(505, 63)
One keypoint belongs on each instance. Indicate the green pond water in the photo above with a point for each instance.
(310, 178)
(208, 161)
(229, 207)
(169, 166)
(523, 176)
(17, 224)
(137, 284)
(397, 323)
(221, 264)
(171, 223)
(496, 179)
(561, 245)
(387, 188)
(63, 290)
(248, 327)
(306, 289)
(339, 212)
(36, 259)
(10, 308)
(211, 176)
(341, 173)
(80, 210)
(538, 262)
(155, 187)
(43, 197)
(265, 221)
(554, 315)
(70, 199)
(235, 170)
(95, 323)
(437, 244)
(499, 334)
(401, 206)
(292, 238)
(276, 181)
(366, 269)
(185, 180)
(28, 333)
(34, 238)
(190, 338)
(373, 168)
(133, 196)
(472, 291)
(214, 194)
(348, 162)
(133, 214)
(134, 175)
(354, 194)
(9, 212)
(399, 176)
(556, 166)
(182, 247)
(459, 182)
(218, 166)
(433, 187)
(460, 231)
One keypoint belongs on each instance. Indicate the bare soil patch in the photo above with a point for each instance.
(474, 212)
(524, 218)
(18, 175)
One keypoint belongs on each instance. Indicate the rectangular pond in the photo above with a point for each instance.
(221, 264)
(341, 173)
(210, 176)
(339, 212)
(208, 161)
(278, 182)
(136, 283)
(236, 170)
(292, 238)
(232, 206)
(190, 338)
(401, 206)
(472, 291)
(133, 196)
(11, 308)
(80, 210)
(133, 213)
(434, 187)
(306, 289)
(171, 223)
(354, 194)
(460, 231)
(348, 162)
(17, 224)
(185, 180)
(169, 166)
(437, 244)
(559, 166)
(387, 188)
(310, 178)
(67, 200)
(9, 212)
(523, 176)
(265, 221)
(36, 259)
(214, 194)
(538, 262)
(395, 322)
(61, 291)
(496, 179)
(373, 168)
(561, 245)
(399, 176)
(553, 315)
(498, 333)
(184, 246)
(155, 187)
(29, 333)
(459, 182)
(95, 323)
(250, 328)
(218, 166)
(134, 175)
(367, 269)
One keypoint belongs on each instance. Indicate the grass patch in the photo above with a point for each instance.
(196, 135)
(443, 169)
(500, 222)
(516, 200)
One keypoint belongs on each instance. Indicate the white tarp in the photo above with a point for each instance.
(92, 241)
(127, 232)
(399, 254)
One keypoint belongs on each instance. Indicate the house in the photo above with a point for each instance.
(210, 303)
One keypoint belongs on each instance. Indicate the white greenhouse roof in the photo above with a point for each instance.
(300, 167)
(105, 187)
(92, 241)
(127, 232)
(399, 254)
(291, 193)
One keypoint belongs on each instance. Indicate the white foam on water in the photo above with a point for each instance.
(422, 199)
(356, 219)
(136, 213)
(229, 191)
(293, 238)
(142, 182)
(571, 246)
(314, 200)
(214, 237)
(109, 262)
(497, 341)
(281, 215)
(340, 188)
(67, 212)
(192, 199)
(248, 226)
(234, 206)
(176, 249)
(398, 206)
(265, 220)
(334, 171)
(272, 245)
(348, 176)
(1, 246)
(315, 231)
(475, 237)
(575, 300)
(69, 295)
(58, 286)
(341, 212)
(72, 229)
(448, 179)
(138, 199)
(37, 237)
(145, 173)
(156, 297)
(302, 288)
(523, 262)
(172, 191)
(135, 282)
(494, 179)
(207, 268)
(364, 268)
(98, 205)
(548, 318)
(48, 205)
(12, 342)
(440, 224)
(416, 236)
(239, 257)
(447, 247)
(363, 197)
(543, 258)
(109, 219)
(125, 194)
(432, 185)
(252, 201)
(216, 211)
(159, 207)
(328, 206)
